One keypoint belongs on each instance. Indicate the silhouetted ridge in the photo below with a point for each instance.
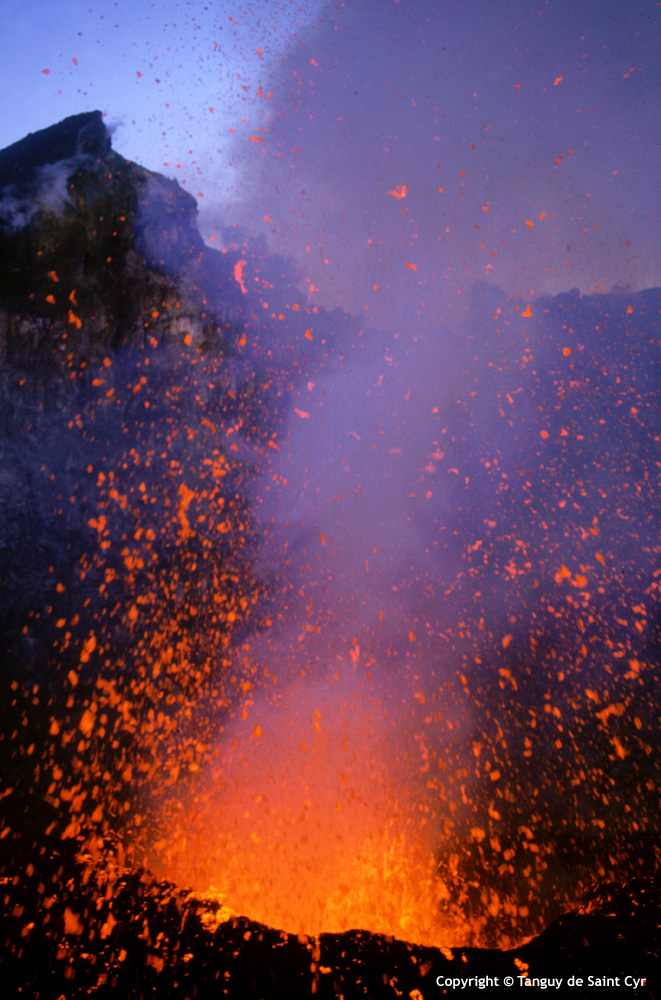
(84, 133)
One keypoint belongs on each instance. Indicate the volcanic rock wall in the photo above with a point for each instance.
(126, 540)
(98, 252)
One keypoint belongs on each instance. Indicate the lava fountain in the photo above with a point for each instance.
(309, 820)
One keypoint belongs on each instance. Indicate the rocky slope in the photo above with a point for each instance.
(122, 496)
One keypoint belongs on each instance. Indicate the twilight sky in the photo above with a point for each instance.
(397, 150)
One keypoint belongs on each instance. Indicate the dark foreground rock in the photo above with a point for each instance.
(78, 927)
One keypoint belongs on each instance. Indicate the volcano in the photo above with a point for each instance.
(303, 691)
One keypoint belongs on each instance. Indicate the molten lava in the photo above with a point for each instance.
(307, 822)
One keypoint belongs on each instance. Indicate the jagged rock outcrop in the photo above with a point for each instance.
(98, 252)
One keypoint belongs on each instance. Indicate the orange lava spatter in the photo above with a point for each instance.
(307, 822)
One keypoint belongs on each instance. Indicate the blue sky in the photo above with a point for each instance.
(526, 135)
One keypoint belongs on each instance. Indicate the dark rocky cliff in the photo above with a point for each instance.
(98, 253)
(122, 492)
